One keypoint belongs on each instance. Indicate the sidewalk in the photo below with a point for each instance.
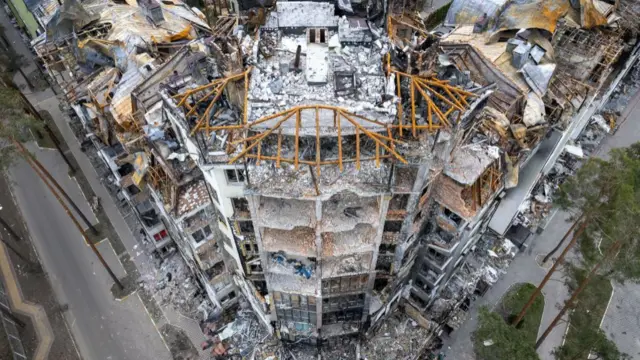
(523, 269)
(46, 335)
(121, 248)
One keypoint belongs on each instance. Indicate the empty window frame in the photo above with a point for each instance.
(246, 227)
(399, 202)
(341, 303)
(201, 234)
(392, 226)
(295, 307)
(240, 207)
(452, 216)
(235, 176)
(344, 284)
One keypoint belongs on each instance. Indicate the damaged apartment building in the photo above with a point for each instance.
(334, 162)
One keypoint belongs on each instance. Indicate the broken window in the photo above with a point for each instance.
(421, 304)
(230, 296)
(215, 270)
(436, 257)
(261, 286)
(249, 247)
(399, 202)
(133, 190)
(213, 193)
(201, 234)
(234, 175)
(295, 308)
(380, 284)
(245, 227)
(452, 216)
(342, 309)
(125, 169)
(387, 249)
(423, 286)
(384, 264)
(393, 226)
(240, 207)
(342, 302)
(255, 268)
(344, 284)
(443, 234)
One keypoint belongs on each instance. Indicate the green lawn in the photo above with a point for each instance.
(509, 343)
(584, 333)
(513, 302)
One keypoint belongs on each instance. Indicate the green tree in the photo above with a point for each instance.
(598, 196)
(609, 245)
(15, 123)
(494, 339)
(584, 336)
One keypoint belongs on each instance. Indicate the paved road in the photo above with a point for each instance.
(622, 320)
(104, 329)
(523, 269)
(623, 316)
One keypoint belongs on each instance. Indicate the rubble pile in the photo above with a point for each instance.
(534, 210)
(398, 337)
(173, 284)
(282, 134)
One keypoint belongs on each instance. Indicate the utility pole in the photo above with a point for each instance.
(29, 156)
(610, 252)
(560, 259)
(115, 279)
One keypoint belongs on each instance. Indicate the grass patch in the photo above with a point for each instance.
(496, 339)
(513, 302)
(584, 333)
(42, 137)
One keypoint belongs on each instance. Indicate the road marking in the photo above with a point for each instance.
(73, 339)
(613, 290)
(127, 296)
(153, 322)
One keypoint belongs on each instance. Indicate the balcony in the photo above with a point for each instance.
(342, 212)
(299, 241)
(360, 239)
(289, 273)
(286, 214)
(346, 265)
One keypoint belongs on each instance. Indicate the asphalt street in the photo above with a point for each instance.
(103, 327)
(622, 320)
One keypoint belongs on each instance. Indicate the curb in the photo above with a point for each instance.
(35, 312)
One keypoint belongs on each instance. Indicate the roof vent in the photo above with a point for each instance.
(317, 36)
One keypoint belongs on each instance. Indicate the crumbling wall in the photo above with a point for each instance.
(449, 193)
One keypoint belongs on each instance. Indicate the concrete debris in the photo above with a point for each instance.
(301, 267)
(307, 157)
(533, 111)
(173, 284)
(396, 338)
